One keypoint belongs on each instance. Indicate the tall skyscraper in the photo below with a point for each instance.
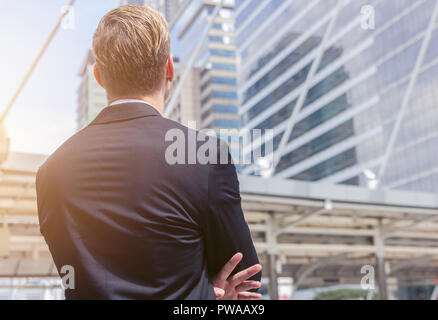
(91, 96)
(212, 84)
(342, 132)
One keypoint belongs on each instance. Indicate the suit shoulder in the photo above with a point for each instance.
(61, 152)
(201, 134)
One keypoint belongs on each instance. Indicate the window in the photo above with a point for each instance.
(223, 80)
(223, 53)
(224, 95)
(225, 109)
(227, 123)
(224, 66)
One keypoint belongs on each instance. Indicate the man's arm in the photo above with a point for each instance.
(225, 229)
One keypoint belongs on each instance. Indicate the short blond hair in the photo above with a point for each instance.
(131, 46)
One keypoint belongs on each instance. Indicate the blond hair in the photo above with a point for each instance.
(131, 46)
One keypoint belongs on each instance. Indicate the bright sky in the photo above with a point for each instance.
(44, 115)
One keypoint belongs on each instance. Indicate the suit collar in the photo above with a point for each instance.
(125, 111)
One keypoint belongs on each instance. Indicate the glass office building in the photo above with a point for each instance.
(91, 96)
(209, 95)
(343, 129)
(214, 68)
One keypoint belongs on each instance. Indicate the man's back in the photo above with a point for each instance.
(129, 223)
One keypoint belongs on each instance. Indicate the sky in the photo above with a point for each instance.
(44, 115)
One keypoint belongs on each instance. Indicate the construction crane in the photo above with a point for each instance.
(4, 139)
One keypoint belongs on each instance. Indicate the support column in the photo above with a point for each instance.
(273, 277)
(271, 237)
(380, 262)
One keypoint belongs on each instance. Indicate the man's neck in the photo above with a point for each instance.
(153, 101)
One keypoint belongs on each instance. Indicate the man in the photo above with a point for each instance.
(111, 207)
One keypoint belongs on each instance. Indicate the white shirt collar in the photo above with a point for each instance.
(122, 101)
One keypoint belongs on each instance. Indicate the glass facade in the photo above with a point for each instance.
(92, 97)
(214, 67)
(354, 98)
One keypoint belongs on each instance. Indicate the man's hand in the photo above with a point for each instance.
(236, 287)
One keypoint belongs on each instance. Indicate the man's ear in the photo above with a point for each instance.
(170, 69)
(97, 75)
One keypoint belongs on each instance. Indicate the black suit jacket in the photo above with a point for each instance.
(131, 225)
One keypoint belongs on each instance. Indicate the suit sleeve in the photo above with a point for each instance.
(225, 229)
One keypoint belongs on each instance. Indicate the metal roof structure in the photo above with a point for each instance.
(317, 232)
(314, 233)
